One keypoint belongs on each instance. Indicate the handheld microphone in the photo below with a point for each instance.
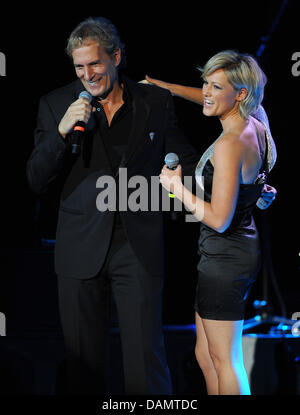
(79, 127)
(171, 161)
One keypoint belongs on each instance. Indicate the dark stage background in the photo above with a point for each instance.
(166, 44)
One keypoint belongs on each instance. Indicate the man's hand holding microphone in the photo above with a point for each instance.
(76, 118)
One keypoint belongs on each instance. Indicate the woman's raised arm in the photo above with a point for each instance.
(186, 92)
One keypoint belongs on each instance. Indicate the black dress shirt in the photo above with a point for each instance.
(115, 138)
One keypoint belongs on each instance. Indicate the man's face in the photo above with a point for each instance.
(95, 68)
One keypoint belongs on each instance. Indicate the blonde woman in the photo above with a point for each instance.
(234, 169)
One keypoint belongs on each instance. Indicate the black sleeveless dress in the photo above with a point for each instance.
(229, 261)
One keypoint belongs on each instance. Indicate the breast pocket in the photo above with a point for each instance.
(70, 210)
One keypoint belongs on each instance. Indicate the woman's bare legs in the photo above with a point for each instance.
(204, 360)
(220, 343)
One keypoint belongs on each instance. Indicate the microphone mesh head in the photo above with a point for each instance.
(171, 160)
(86, 95)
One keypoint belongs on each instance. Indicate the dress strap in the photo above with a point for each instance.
(264, 169)
(261, 115)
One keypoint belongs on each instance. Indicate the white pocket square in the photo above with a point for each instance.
(152, 135)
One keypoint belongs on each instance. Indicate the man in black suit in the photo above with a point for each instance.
(129, 126)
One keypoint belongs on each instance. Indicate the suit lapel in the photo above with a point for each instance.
(140, 116)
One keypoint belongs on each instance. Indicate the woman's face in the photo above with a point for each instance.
(220, 98)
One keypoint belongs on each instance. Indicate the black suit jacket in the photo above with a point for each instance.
(83, 232)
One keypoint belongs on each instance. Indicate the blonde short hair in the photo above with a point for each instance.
(242, 71)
